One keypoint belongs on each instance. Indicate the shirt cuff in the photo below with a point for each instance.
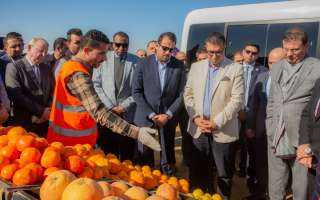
(218, 121)
(151, 115)
(169, 113)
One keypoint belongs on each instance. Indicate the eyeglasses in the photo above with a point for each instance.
(217, 53)
(123, 45)
(254, 53)
(166, 48)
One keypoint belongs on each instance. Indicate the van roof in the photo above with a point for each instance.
(286, 10)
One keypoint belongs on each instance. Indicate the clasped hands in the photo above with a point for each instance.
(44, 117)
(160, 120)
(303, 158)
(206, 126)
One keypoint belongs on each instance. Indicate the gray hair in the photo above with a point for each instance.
(34, 40)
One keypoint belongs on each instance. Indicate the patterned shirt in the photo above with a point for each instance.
(80, 85)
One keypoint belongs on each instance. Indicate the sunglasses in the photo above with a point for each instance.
(166, 48)
(123, 45)
(217, 53)
(254, 53)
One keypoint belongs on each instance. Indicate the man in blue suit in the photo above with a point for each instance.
(112, 81)
(158, 84)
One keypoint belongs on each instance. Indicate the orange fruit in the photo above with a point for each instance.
(3, 161)
(115, 165)
(137, 178)
(41, 143)
(98, 173)
(80, 149)
(163, 179)
(157, 173)
(58, 146)
(68, 151)
(10, 152)
(87, 172)
(167, 191)
(25, 141)
(4, 130)
(150, 182)
(24, 176)
(110, 155)
(30, 155)
(8, 171)
(37, 170)
(184, 185)
(50, 158)
(49, 171)
(136, 193)
(16, 132)
(174, 182)
(3, 140)
(75, 164)
(119, 187)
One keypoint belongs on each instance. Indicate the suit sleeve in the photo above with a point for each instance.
(269, 114)
(17, 96)
(176, 105)
(188, 95)
(236, 100)
(138, 90)
(129, 101)
(97, 84)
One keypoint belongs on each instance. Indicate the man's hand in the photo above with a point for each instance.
(144, 136)
(44, 117)
(161, 120)
(250, 133)
(3, 114)
(242, 115)
(306, 161)
(205, 125)
(119, 110)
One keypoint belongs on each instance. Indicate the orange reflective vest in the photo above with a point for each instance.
(69, 121)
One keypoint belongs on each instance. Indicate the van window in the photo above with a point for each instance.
(239, 35)
(197, 35)
(276, 32)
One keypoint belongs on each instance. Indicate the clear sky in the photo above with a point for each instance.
(143, 20)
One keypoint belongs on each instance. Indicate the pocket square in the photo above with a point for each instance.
(226, 78)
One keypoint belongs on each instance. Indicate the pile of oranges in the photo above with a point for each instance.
(27, 159)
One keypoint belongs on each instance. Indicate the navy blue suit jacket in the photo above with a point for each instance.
(146, 89)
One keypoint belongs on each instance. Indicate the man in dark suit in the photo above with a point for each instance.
(256, 125)
(59, 51)
(251, 71)
(158, 84)
(30, 86)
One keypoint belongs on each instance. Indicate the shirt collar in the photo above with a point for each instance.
(249, 65)
(215, 67)
(161, 63)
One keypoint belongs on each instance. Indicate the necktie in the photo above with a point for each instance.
(37, 72)
(317, 111)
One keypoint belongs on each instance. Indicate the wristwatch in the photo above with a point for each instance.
(308, 151)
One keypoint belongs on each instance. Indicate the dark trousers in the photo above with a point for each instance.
(205, 153)
(186, 145)
(260, 149)
(246, 150)
(167, 155)
(110, 142)
(39, 129)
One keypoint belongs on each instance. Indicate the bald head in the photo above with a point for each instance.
(275, 55)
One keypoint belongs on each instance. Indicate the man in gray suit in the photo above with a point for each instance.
(256, 125)
(30, 87)
(112, 82)
(292, 83)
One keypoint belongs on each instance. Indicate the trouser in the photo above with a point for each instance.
(279, 170)
(186, 146)
(206, 152)
(40, 129)
(110, 142)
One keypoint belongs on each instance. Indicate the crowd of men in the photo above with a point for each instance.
(270, 114)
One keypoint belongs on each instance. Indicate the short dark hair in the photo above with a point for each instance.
(170, 35)
(201, 50)
(216, 38)
(12, 35)
(59, 43)
(93, 38)
(121, 34)
(73, 31)
(296, 33)
(252, 45)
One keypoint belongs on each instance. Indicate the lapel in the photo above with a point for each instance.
(31, 73)
(155, 72)
(168, 75)
(126, 72)
(44, 78)
(254, 74)
(202, 78)
(218, 78)
(110, 73)
(304, 69)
